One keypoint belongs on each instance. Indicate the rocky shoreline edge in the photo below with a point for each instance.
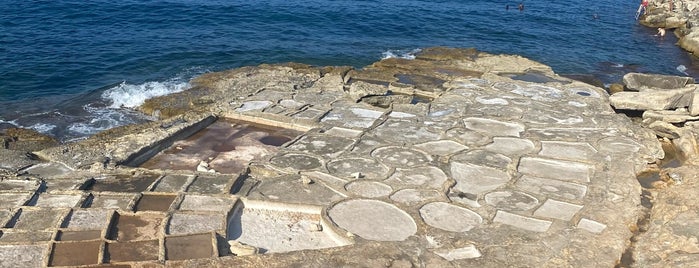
(680, 16)
(455, 158)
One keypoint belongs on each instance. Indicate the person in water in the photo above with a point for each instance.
(661, 32)
(521, 6)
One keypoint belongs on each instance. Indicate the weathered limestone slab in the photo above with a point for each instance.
(114, 201)
(419, 177)
(694, 103)
(58, 200)
(296, 161)
(449, 217)
(368, 189)
(522, 222)
(510, 146)
(591, 226)
(210, 185)
(556, 169)
(352, 117)
(298, 189)
(674, 116)
(557, 210)
(188, 223)
(415, 196)
(373, 220)
(19, 185)
(87, 219)
(357, 168)
(13, 200)
(493, 127)
(401, 157)
(555, 188)
(206, 203)
(321, 144)
(36, 219)
(408, 131)
(576, 151)
(511, 200)
(441, 147)
(23, 255)
(484, 158)
(477, 179)
(275, 227)
(640, 81)
(12, 236)
(655, 100)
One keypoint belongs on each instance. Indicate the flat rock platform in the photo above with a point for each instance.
(456, 158)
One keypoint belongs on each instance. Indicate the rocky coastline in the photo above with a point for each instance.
(680, 16)
(456, 158)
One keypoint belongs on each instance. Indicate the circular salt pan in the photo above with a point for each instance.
(449, 217)
(369, 189)
(373, 220)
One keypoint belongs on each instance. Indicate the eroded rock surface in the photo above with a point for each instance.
(495, 161)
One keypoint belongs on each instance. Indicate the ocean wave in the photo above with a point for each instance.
(103, 118)
(43, 127)
(400, 53)
(127, 95)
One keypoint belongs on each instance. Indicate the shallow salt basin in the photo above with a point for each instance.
(226, 146)
(280, 228)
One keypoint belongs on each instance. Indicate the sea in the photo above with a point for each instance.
(73, 68)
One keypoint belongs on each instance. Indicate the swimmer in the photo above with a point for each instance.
(661, 32)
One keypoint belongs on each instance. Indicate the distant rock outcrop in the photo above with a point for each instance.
(683, 16)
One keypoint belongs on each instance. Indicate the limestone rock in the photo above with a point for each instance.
(241, 249)
(655, 100)
(673, 116)
(694, 103)
(665, 129)
(672, 236)
(640, 81)
(614, 88)
(686, 143)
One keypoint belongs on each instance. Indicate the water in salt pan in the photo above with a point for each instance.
(226, 146)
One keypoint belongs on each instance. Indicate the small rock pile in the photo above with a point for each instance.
(683, 16)
(670, 106)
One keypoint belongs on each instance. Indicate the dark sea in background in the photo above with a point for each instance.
(74, 68)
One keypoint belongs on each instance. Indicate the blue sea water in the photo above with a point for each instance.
(73, 68)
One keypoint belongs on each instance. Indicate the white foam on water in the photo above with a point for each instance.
(43, 127)
(102, 118)
(400, 53)
(127, 95)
